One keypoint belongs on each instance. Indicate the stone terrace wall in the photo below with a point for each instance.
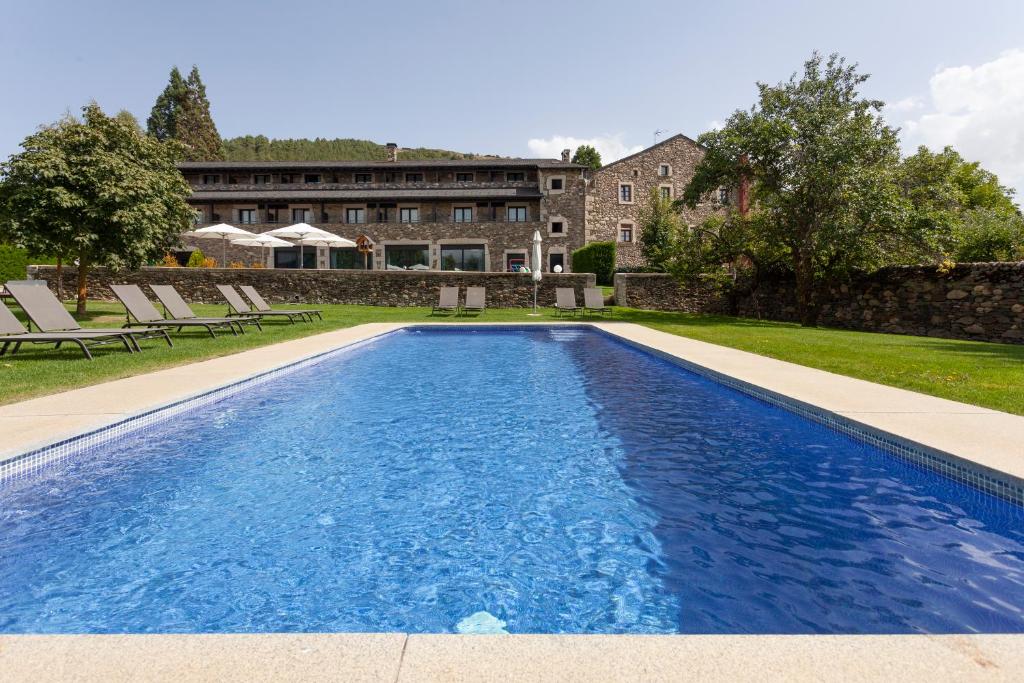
(372, 288)
(978, 301)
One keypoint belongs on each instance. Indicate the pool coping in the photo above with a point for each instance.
(985, 439)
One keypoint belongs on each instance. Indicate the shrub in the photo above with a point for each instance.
(14, 262)
(237, 264)
(258, 264)
(169, 261)
(208, 263)
(597, 258)
(195, 260)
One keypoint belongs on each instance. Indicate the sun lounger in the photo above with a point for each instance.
(49, 315)
(593, 301)
(476, 299)
(448, 301)
(565, 301)
(145, 314)
(13, 332)
(263, 307)
(179, 310)
(237, 306)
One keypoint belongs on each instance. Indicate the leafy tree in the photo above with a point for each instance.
(182, 113)
(261, 148)
(587, 155)
(96, 190)
(989, 235)
(659, 231)
(824, 170)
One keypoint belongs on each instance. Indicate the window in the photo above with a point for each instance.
(247, 216)
(555, 258)
(302, 215)
(355, 215)
(463, 214)
(626, 232)
(664, 170)
(414, 177)
(311, 178)
(463, 177)
(403, 256)
(626, 193)
(199, 217)
(557, 183)
(723, 195)
(515, 176)
(211, 179)
(462, 257)
(288, 257)
(287, 178)
(349, 258)
(516, 214)
(666, 191)
(364, 177)
(232, 180)
(261, 179)
(515, 261)
(409, 215)
(557, 228)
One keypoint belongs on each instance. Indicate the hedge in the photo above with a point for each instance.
(597, 258)
(14, 263)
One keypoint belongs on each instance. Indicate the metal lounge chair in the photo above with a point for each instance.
(179, 310)
(565, 301)
(263, 307)
(49, 315)
(237, 306)
(476, 299)
(448, 301)
(13, 332)
(593, 301)
(137, 306)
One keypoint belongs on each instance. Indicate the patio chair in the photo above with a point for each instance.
(49, 315)
(448, 301)
(137, 306)
(13, 332)
(476, 299)
(179, 310)
(593, 301)
(565, 301)
(262, 306)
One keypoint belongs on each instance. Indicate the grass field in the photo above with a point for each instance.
(983, 374)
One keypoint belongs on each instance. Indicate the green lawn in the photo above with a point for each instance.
(990, 375)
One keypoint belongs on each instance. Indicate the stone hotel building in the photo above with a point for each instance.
(469, 215)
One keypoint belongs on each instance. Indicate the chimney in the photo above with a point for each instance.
(566, 155)
(392, 151)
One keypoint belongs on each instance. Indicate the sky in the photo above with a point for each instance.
(517, 78)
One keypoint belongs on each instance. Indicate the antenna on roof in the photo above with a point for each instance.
(656, 134)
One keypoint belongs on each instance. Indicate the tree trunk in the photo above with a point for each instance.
(60, 278)
(83, 286)
(805, 289)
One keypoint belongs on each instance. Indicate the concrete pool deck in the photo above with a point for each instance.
(988, 438)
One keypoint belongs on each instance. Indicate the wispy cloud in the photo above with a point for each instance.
(611, 147)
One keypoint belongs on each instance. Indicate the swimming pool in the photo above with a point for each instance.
(543, 480)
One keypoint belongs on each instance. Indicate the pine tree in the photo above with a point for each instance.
(163, 116)
(182, 113)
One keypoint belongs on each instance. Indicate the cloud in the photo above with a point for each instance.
(611, 147)
(907, 104)
(979, 110)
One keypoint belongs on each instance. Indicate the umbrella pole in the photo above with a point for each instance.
(224, 252)
(300, 255)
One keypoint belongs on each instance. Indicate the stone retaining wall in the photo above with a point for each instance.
(660, 292)
(372, 288)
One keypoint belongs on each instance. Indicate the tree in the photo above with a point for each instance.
(587, 155)
(988, 235)
(182, 113)
(824, 171)
(95, 189)
(659, 231)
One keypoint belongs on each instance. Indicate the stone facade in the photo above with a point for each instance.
(606, 210)
(369, 288)
(978, 301)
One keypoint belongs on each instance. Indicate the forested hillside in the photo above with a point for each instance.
(261, 148)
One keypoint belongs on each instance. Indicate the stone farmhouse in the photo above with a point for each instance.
(467, 215)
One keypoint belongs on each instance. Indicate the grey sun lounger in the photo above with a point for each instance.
(49, 315)
(565, 301)
(145, 314)
(448, 301)
(179, 310)
(262, 306)
(237, 306)
(13, 332)
(476, 299)
(593, 301)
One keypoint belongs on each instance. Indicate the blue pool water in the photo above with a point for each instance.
(544, 481)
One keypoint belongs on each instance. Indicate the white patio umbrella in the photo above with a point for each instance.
(261, 241)
(222, 231)
(535, 273)
(327, 239)
(299, 231)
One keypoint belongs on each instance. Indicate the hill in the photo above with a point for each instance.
(261, 148)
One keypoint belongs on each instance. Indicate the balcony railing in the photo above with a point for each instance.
(388, 217)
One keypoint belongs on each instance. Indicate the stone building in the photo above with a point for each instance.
(467, 215)
(618, 192)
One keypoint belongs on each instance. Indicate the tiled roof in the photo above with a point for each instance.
(489, 162)
(374, 195)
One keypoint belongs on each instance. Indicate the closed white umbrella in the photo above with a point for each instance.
(261, 241)
(298, 231)
(327, 239)
(222, 231)
(535, 273)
